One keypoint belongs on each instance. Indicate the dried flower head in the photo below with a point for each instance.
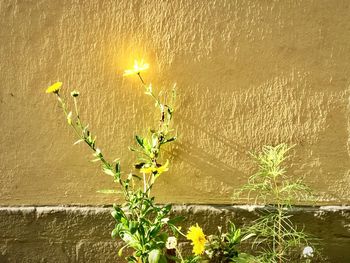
(171, 243)
(74, 93)
(308, 252)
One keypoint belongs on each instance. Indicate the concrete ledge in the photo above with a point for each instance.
(82, 234)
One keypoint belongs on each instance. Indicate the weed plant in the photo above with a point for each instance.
(277, 238)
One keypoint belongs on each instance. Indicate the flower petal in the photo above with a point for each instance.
(54, 88)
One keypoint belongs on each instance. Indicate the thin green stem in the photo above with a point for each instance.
(144, 183)
(143, 82)
(178, 252)
(77, 112)
(81, 134)
(64, 108)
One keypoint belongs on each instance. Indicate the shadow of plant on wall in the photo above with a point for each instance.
(149, 230)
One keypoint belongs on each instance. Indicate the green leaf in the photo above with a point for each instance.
(170, 140)
(244, 258)
(120, 252)
(124, 221)
(154, 140)
(131, 259)
(108, 171)
(154, 256)
(117, 167)
(236, 236)
(78, 141)
(115, 232)
(162, 259)
(118, 213)
(154, 231)
(136, 176)
(167, 208)
(163, 237)
(114, 214)
(140, 141)
(132, 149)
(170, 113)
(247, 237)
(133, 225)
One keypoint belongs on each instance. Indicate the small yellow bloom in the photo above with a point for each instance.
(54, 88)
(196, 235)
(138, 67)
(159, 170)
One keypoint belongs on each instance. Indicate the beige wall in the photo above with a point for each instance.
(248, 73)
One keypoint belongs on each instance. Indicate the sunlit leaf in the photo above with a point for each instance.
(154, 256)
(108, 171)
(78, 141)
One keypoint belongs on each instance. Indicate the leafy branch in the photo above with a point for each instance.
(276, 236)
(142, 225)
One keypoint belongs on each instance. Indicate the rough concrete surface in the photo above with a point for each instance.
(248, 73)
(82, 234)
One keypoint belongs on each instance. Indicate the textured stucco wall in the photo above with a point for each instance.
(248, 73)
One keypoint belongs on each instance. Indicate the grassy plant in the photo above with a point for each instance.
(277, 238)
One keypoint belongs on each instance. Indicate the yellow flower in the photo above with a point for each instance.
(196, 235)
(54, 88)
(138, 67)
(158, 170)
